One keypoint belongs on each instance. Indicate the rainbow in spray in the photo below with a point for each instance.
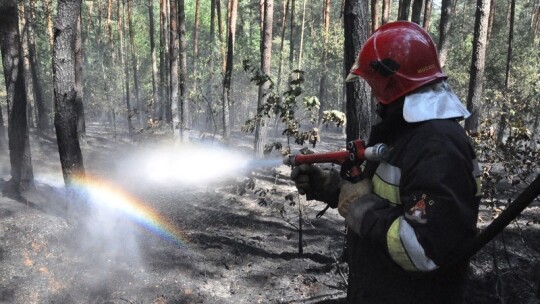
(110, 198)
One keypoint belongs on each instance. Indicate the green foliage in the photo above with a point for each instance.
(337, 117)
(283, 106)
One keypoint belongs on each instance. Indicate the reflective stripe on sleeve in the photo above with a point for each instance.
(405, 249)
(386, 182)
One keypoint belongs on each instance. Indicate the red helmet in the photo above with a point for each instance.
(397, 59)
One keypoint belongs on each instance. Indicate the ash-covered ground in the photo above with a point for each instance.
(209, 230)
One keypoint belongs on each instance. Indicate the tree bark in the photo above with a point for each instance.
(477, 66)
(282, 42)
(374, 15)
(291, 36)
(504, 117)
(196, 45)
(417, 11)
(65, 93)
(427, 14)
(22, 175)
(42, 108)
(184, 104)
(358, 112)
(385, 11)
(231, 34)
(322, 80)
(124, 59)
(79, 83)
(164, 61)
(135, 66)
(152, 105)
(302, 27)
(404, 9)
(174, 67)
(261, 127)
(444, 29)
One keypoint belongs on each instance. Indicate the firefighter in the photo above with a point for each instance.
(420, 206)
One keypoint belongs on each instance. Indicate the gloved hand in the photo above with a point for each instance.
(351, 192)
(317, 183)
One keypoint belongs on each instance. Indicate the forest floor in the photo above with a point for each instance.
(212, 230)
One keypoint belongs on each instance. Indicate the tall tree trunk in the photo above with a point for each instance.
(184, 103)
(444, 29)
(231, 34)
(416, 14)
(196, 45)
(324, 59)
(302, 27)
(22, 175)
(504, 117)
(106, 60)
(281, 45)
(174, 67)
(291, 35)
(3, 142)
(477, 65)
(385, 11)
(27, 74)
(135, 66)
(164, 61)
(43, 111)
(404, 9)
(374, 15)
(49, 12)
(79, 82)
(211, 63)
(261, 127)
(124, 61)
(221, 34)
(427, 14)
(154, 102)
(65, 93)
(356, 30)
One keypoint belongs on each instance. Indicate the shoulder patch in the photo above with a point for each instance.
(419, 212)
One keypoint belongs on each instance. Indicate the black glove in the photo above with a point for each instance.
(317, 183)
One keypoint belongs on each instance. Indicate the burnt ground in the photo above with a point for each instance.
(235, 239)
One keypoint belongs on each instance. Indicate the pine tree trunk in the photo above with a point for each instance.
(385, 11)
(123, 60)
(477, 65)
(79, 82)
(164, 61)
(504, 117)
(65, 93)
(417, 11)
(427, 15)
(152, 105)
(324, 59)
(22, 176)
(174, 67)
(282, 42)
(231, 35)
(291, 36)
(444, 29)
(135, 66)
(43, 111)
(358, 113)
(374, 15)
(261, 127)
(184, 104)
(196, 47)
(302, 27)
(404, 9)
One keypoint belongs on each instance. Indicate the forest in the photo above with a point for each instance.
(88, 86)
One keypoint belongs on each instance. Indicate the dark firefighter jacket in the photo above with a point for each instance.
(428, 193)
